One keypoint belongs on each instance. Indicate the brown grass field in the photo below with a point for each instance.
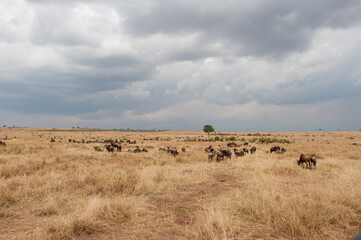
(66, 190)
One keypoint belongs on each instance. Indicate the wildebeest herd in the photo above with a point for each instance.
(306, 161)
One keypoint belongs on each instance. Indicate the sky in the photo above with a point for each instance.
(261, 65)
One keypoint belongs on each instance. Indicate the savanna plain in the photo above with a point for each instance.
(65, 189)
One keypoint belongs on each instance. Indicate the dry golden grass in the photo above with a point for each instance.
(67, 190)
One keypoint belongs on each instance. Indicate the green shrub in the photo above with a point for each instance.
(232, 138)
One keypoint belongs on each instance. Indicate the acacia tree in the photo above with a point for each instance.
(208, 128)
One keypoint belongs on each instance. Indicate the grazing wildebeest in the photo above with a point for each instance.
(245, 150)
(137, 149)
(253, 150)
(52, 140)
(97, 149)
(211, 155)
(109, 148)
(209, 149)
(183, 149)
(237, 153)
(275, 149)
(173, 151)
(223, 153)
(117, 146)
(2, 144)
(232, 144)
(245, 144)
(309, 160)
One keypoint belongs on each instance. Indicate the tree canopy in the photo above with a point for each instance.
(208, 128)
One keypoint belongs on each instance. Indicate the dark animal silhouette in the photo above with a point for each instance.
(232, 144)
(2, 144)
(238, 153)
(117, 146)
(109, 148)
(223, 153)
(97, 149)
(277, 149)
(209, 149)
(253, 150)
(211, 155)
(309, 160)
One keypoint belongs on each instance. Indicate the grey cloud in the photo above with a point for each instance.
(265, 28)
(78, 60)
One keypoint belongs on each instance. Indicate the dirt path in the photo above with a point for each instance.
(173, 215)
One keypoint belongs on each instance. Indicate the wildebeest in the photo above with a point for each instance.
(209, 149)
(52, 140)
(97, 149)
(277, 149)
(2, 144)
(308, 159)
(238, 153)
(173, 151)
(223, 153)
(137, 149)
(117, 146)
(183, 149)
(245, 150)
(253, 150)
(211, 155)
(109, 148)
(232, 144)
(162, 149)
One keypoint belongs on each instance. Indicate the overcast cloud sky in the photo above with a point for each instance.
(262, 65)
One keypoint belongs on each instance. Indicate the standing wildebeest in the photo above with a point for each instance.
(109, 148)
(232, 144)
(209, 149)
(2, 144)
(117, 146)
(211, 156)
(183, 149)
(245, 150)
(52, 140)
(237, 153)
(223, 153)
(173, 151)
(253, 150)
(277, 149)
(308, 159)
